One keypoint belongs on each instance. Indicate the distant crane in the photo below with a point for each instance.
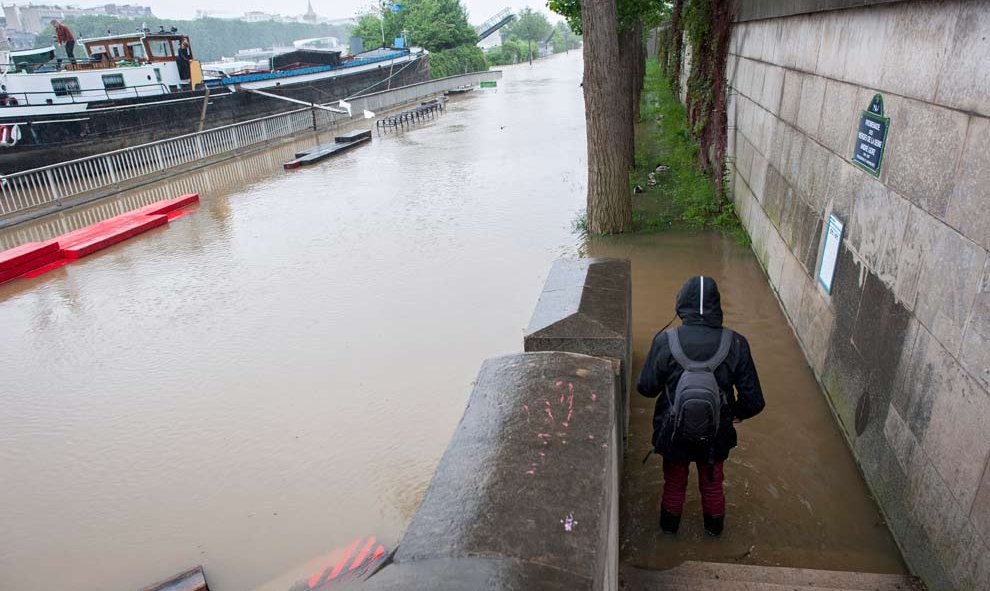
(496, 22)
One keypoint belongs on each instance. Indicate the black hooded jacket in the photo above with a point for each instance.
(700, 310)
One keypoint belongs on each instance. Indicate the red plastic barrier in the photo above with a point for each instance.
(36, 257)
(28, 265)
(17, 257)
(107, 234)
(167, 205)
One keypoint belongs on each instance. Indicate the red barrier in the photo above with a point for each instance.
(17, 257)
(29, 265)
(167, 205)
(36, 257)
(111, 232)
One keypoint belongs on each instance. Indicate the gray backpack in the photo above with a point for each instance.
(698, 399)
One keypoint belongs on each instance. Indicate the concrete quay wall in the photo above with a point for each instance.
(526, 495)
(901, 344)
(527, 489)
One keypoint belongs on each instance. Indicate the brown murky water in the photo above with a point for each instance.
(277, 374)
(794, 495)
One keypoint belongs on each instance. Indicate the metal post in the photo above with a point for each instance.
(52, 187)
(158, 156)
(111, 171)
(382, 22)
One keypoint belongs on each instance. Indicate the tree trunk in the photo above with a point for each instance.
(530, 43)
(609, 203)
(677, 41)
(630, 40)
(663, 51)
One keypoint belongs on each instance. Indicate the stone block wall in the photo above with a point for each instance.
(901, 346)
(527, 493)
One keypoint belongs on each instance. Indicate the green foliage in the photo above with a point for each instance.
(438, 24)
(210, 38)
(369, 29)
(684, 194)
(512, 51)
(433, 24)
(564, 38)
(525, 33)
(580, 222)
(570, 10)
(529, 25)
(459, 60)
(649, 12)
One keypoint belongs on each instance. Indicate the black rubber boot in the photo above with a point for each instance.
(669, 522)
(714, 525)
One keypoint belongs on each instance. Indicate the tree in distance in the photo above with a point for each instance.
(530, 26)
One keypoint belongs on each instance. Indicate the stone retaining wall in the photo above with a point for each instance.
(901, 345)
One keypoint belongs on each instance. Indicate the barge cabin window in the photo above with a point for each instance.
(137, 51)
(159, 48)
(113, 81)
(117, 50)
(65, 86)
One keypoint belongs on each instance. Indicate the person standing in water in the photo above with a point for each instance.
(704, 379)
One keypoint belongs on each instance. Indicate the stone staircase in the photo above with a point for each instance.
(711, 576)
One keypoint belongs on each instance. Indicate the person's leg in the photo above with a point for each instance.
(675, 479)
(70, 51)
(710, 480)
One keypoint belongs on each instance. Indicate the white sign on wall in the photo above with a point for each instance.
(830, 253)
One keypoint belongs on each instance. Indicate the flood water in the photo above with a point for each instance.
(794, 495)
(278, 373)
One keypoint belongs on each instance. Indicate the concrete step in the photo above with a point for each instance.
(709, 576)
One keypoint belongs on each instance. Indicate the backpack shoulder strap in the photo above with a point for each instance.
(674, 341)
(723, 351)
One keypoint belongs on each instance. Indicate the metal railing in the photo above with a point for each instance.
(29, 192)
(78, 95)
(54, 183)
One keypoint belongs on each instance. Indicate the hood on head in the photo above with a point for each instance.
(698, 302)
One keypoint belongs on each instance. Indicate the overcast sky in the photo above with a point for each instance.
(478, 10)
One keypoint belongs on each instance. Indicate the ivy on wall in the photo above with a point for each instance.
(707, 25)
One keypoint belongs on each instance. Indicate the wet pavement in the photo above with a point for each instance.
(276, 375)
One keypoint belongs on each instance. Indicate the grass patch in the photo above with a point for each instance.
(682, 193)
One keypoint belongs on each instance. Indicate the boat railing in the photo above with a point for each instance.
(83, 95)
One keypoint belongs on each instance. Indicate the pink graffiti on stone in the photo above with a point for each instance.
(569, 522)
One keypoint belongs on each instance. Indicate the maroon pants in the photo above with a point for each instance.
(675, 481)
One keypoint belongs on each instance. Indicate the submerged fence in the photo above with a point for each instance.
(48, 188)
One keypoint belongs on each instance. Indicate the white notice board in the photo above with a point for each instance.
(830, 252)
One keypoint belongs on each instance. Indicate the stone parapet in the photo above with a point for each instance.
(586, 307)
(526, 495)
